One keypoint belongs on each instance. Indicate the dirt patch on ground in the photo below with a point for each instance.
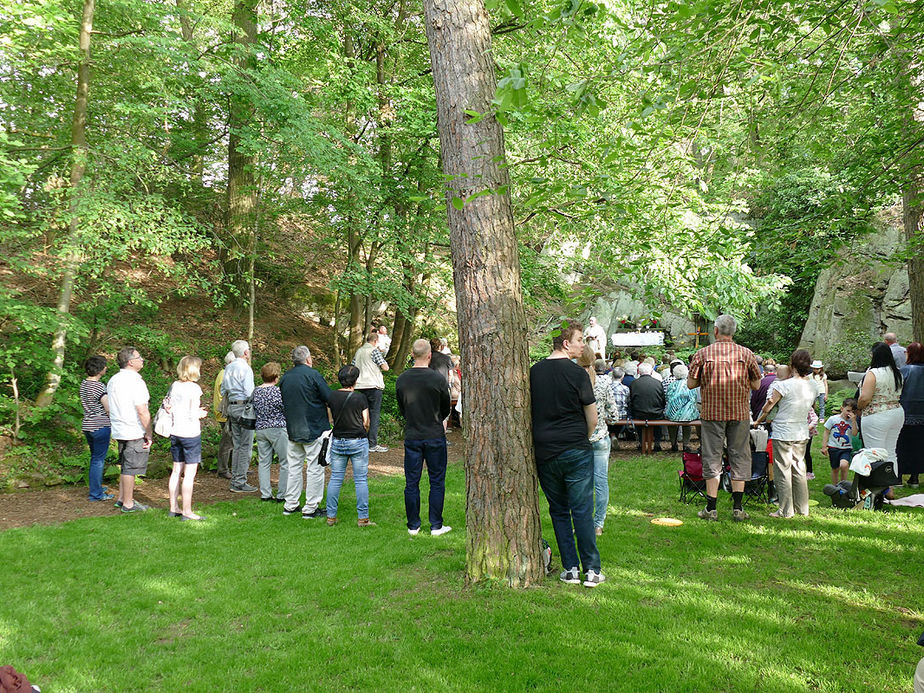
(64, 503)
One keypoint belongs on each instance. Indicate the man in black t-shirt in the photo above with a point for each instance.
(564, 415)
(423, 399)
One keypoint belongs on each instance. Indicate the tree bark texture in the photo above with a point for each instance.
(502, 506)
(912, 218)
(78, 169)
(242, 191)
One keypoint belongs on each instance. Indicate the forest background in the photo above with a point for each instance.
(180, 174)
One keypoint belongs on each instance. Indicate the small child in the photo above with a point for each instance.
(835, 441)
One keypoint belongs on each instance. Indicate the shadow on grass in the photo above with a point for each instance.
(252, 600)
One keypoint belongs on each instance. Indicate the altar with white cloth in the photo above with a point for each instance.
(637, 339)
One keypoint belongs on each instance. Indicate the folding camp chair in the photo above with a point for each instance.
(757, 488)
(692, 483)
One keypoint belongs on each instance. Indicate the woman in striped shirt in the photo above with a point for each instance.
(95, 424)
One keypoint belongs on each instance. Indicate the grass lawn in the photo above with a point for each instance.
(250, 600)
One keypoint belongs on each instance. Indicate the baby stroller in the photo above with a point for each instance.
(867, 492)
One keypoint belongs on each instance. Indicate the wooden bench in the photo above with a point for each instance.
(647, 428)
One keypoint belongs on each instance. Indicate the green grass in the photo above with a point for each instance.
(253, 601)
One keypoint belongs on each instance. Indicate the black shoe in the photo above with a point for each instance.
(294, 511)
(267, 499)
(674, 448)
(657, 448)
(279, 499)
(169, 514)
(224, 475)
(319, 512)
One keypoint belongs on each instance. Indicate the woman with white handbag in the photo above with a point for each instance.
(186, 413)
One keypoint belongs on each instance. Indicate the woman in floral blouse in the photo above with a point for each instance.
(271, 432)
(600, 439)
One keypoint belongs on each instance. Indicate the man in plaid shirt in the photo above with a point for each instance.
(725, 373)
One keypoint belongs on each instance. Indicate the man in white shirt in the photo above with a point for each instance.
(130, 419)
(898, 351)
(237, 386)
(371, 364)
(384, 340)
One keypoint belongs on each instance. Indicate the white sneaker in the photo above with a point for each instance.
(414, 532)
(594, 578)
(378, 448)
(572, 576)
(442, 530)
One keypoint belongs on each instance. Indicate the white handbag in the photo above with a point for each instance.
(863, 460)
(163, 419)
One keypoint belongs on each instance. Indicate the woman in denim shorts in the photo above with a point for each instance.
(184, 404)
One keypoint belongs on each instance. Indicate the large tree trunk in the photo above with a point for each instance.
(912, 217)
(242, 192)
(78, 169)
(502, 505)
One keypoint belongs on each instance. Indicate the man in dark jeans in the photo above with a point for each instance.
(423, 399)
(564, 414)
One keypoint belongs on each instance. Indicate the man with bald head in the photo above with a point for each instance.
(423, 399)
(898, 351)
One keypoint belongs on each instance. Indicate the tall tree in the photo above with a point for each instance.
(78, 169)
(502, 508)
(242, 189)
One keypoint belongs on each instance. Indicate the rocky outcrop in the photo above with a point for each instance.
(609, 308)
(857, 300)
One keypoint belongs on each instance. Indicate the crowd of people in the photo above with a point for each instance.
(294, 417)
(580, 405)
(727, 390)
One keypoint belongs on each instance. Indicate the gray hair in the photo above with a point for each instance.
(890, 338)
(618, 373)
(125, 355)
(420, 348)
(681, 372)
(229, 357)
(600, 366)
(770, 367)
(240, 347)
(300, 355)
(632, 369)
(645, 368)
(725, 325)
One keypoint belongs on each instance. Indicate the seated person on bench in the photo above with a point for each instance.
(646, 400)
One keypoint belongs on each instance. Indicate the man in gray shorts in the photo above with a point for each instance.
(725, 373)
(130, 419)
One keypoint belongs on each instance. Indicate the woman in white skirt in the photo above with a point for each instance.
(882, 416)
(794, 398)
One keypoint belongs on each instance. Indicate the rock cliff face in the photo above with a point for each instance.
(608, 309)
(856, 301)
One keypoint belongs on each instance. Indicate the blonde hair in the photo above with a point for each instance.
(188, 369)
(586, 361)
(270, 372)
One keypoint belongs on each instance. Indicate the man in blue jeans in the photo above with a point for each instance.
(564, 415)
(423, 399)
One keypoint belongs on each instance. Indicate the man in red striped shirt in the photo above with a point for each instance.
(725, 373)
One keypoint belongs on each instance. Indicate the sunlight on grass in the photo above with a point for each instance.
(147, 601)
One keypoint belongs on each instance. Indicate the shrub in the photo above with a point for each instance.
(852, 353)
